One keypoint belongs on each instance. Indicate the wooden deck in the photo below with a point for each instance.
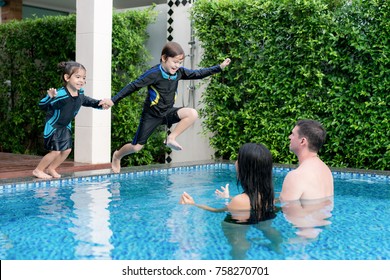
(16, 166)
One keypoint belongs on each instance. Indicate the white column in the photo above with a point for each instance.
(93, 50)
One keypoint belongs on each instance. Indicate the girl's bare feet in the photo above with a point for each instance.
(53, 173)
(116, 163)
(41, 175)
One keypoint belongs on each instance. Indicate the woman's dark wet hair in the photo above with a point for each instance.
(172, 49)
(255, 176)
(69, 68)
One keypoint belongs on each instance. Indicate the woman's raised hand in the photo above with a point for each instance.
(224, 193)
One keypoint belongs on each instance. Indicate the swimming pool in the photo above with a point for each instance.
(136, 216)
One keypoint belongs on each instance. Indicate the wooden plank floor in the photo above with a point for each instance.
(21, 166)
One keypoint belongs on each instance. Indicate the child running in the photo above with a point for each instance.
(61, 108)
(162, 82)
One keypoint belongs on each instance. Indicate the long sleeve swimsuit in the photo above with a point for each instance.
(160, 99)
(60, 111)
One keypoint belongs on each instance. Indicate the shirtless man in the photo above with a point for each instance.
(313, 178)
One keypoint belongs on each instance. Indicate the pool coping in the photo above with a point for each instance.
(105, 173)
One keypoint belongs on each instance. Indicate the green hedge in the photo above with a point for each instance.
(293, 59)
(29, 53)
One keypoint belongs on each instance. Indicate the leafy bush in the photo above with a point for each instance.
(293, 59)
(29, 55)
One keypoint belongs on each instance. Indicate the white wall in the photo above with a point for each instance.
(195, 145)
(157, 32)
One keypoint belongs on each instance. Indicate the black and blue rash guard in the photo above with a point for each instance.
(162, 86)
(61, 110)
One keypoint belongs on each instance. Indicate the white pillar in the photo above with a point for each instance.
(93, 50)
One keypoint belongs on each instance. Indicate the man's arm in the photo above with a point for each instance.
(292, 187)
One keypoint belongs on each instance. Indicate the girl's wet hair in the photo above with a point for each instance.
(69, 68)
(172, 49)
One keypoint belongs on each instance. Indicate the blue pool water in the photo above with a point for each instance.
(136, 216)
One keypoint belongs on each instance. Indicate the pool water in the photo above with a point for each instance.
(136, 216)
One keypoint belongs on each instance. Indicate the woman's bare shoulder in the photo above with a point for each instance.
(240, 202)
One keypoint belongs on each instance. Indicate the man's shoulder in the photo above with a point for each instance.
(294, 173)
(297, 178)
(292, 179)
(292, 187)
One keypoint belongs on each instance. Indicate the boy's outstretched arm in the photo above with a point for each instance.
(225, 63)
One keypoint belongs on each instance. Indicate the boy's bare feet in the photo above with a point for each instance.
(41, 175)
(173, 145)
(116, 163)
(53, 173)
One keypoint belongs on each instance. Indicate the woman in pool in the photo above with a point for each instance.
(255, 205)
(254, 174)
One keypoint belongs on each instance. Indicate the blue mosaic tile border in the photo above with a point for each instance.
(11, 187)
(362, 176)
